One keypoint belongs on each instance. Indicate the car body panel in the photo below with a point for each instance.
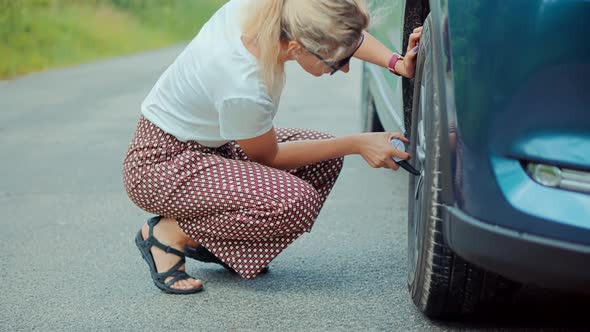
(528, 102)
(515, 88)
(525, 195)
(387, 26)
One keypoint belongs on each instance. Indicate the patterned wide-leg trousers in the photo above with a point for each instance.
(243, 212)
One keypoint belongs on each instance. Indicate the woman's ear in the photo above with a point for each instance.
(294, 49)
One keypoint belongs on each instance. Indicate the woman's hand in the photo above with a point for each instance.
(409, 62)
(376, 149)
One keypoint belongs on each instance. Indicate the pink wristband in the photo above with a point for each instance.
(394, 59)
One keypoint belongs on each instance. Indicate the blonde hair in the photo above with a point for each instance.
(326, 27)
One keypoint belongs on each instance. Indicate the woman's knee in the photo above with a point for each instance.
(336, 164)
(298, 134)
(300, 208)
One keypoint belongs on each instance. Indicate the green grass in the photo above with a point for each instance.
(40, 34)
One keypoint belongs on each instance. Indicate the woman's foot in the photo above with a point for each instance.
(169, 233)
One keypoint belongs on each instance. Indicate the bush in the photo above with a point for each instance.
(38, 34)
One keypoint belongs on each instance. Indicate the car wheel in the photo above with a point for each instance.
(372, 122)
(441, 283)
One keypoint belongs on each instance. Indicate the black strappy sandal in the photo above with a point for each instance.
(201, 254)
(159, 278)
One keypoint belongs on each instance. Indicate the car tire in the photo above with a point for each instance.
(440, 283)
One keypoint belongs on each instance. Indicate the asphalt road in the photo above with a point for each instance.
(67, 256)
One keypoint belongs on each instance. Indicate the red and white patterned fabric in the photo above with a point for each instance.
(243, 212)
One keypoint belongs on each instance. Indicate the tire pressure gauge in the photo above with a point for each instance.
(399, 145)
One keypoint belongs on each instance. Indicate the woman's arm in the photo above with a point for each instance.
(373, 51)
(375, 148)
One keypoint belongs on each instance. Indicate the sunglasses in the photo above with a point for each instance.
(336, 66)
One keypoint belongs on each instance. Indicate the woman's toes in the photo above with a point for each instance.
(177, 285)
(187, 284)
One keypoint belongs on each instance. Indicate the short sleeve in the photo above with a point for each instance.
(242, 118)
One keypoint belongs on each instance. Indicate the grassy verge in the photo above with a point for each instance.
(40, 34)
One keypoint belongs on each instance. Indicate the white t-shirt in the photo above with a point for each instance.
(213, 93)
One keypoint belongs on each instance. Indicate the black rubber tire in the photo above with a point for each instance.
(441, 284)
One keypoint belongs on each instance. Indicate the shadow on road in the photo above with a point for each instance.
(533, 308)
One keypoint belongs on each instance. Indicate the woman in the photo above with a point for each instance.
(226, 185)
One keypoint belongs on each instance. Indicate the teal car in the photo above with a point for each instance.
(498, 117)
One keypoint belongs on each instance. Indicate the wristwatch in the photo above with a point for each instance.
(394, 59)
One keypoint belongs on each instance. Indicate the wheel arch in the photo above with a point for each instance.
(415, 13)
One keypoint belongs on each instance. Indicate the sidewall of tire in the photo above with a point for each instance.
(419, 286)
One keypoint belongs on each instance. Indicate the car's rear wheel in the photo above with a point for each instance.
(370, 121)
(441, 284)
